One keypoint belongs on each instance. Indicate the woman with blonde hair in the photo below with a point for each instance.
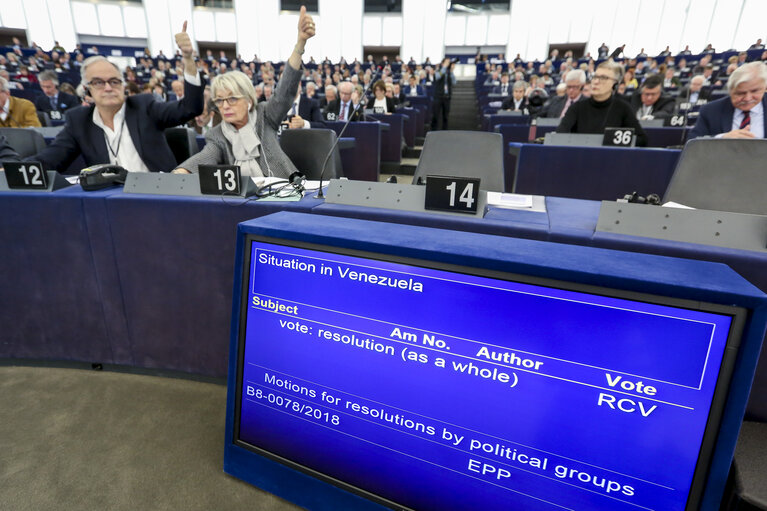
(247, 135)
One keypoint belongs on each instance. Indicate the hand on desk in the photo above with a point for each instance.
(180, 171)
(742, 133)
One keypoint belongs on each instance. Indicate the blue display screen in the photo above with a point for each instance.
(438, 389)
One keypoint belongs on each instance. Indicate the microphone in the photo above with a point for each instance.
(320, 194)
(686, 113)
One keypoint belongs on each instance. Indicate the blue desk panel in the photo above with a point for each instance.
(364, 160)
(594, 173)
(59, 287)
(174, 256)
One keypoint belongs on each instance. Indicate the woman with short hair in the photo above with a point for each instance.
(247, 135)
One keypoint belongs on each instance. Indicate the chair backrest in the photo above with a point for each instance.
(182, 142)
(721, 175)
(24, 141)
(45, 119)
(307, 149)
(463, 154)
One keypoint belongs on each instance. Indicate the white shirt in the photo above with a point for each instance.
(380, 103)
(757, 120)
(122, 151)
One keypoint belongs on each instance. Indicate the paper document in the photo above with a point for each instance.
(509, 200)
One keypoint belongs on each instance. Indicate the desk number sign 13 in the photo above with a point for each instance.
(220, 179)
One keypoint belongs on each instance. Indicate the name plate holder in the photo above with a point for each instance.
(29, 177)
(158, 183)
(402, 197)
(716, 228)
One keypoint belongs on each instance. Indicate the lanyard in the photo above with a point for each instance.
(115, 152)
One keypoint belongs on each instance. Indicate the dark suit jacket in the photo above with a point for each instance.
(704, 93)
(716, 117)
(553, 108)
(508, 104)
(418, 88)
(662, 108)
(334, 107)
(146, 120)
(64, 102)
(309, 110)
(498, 89)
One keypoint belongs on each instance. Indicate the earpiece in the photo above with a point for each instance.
(250, 105)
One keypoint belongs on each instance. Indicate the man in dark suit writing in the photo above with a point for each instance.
(342, 109)
(53, 99)
(305, 113)
(124, 131)
(650, 102)
(742, 114)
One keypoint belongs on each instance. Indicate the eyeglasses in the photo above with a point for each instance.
(98, 83)
(231, 101)
(597, 78)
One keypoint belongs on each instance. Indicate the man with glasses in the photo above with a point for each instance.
(124, 131)
(558, 106)
(603, 109)
(650, 103)
(742, 115)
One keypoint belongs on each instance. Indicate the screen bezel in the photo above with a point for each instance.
(706, 451)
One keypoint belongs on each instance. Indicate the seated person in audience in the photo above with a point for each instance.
(68, 88)
(53, 99)
(311, 90)
(268, 92)
(558, 106)
(560, 90)
(413, 89)
(602, 110)
(132, 88)
(381, 104)
(504, 89)
(517, 102)
(757, 45)
(177, 86)
(119, 130)
(494, 79)
(709, 76)
(603, 51)
(331, 94)
(709, 49)
(342, 108)
(11, 84)
(650, 102)
(24, 76)
(16, 112)
(742, 114)
(304, 113)
(665, 53)
(397, 94)
(247, 137)
(629, 79)
(670, 82)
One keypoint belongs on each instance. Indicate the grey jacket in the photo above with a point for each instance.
(269, 115)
